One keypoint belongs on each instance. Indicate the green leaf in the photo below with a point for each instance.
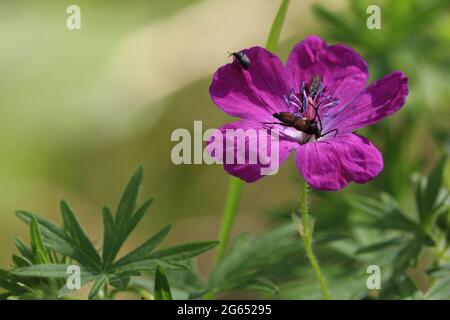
(124, 213)
(46, 271)
(251, 259)
(339, 24)
(162, 289)
(440, 290)
(40, 253)
(128, 201)
(23, 249)
(97, 286)
(277, 25)
(108, 235)
(168, 258)
(121, 281)
(79, 236)
(184, 251)
(137, 217)
(378, 246)
(21, 262)
(85, 279)
(143, 251)
(384, 214)
(48, 228)
(432, 189)
(149, 265)
(441, 271)
(56, 239)
(262, 285)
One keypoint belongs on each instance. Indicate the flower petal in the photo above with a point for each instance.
(258, 141)
(381, 99)
(332, 164)
(343, 70)
(253, 94)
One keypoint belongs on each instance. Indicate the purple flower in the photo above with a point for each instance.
(322, 89)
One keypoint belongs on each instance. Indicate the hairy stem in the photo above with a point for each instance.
(305, 229)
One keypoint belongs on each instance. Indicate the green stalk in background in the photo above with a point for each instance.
(236, 185)
(305, 228)
(235, 188)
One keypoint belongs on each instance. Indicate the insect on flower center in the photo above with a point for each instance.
(303, 106)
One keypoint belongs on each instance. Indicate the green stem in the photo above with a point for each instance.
(305, 229)
(235, 188)
(277, 25)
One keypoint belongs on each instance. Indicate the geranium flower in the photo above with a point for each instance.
(324, 86)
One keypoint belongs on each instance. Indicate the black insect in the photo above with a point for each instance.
(242, 58)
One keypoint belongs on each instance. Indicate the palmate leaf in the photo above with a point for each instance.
(162, 289)
(56, 239)
(72, 241)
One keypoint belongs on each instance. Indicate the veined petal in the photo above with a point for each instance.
(332, 164)
(381, 99)
(253, 94)
(343, 70)
(245, 148)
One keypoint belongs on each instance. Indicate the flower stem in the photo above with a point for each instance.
(236, 185)
(305, 229)
(235, 188)
(277, 25)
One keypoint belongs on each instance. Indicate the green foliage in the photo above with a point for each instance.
(162, 289)
(40, 271)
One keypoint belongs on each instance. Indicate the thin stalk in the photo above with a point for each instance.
(236, 185)
(235, 188)
(305, 229)
(277, 25)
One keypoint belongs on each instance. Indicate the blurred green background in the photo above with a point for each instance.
(80, 109)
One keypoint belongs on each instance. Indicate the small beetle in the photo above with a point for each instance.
(242, 58)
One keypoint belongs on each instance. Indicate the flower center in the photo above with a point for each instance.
(311, 97)
(307, 107)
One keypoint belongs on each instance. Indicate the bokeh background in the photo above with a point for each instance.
(80, 109)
